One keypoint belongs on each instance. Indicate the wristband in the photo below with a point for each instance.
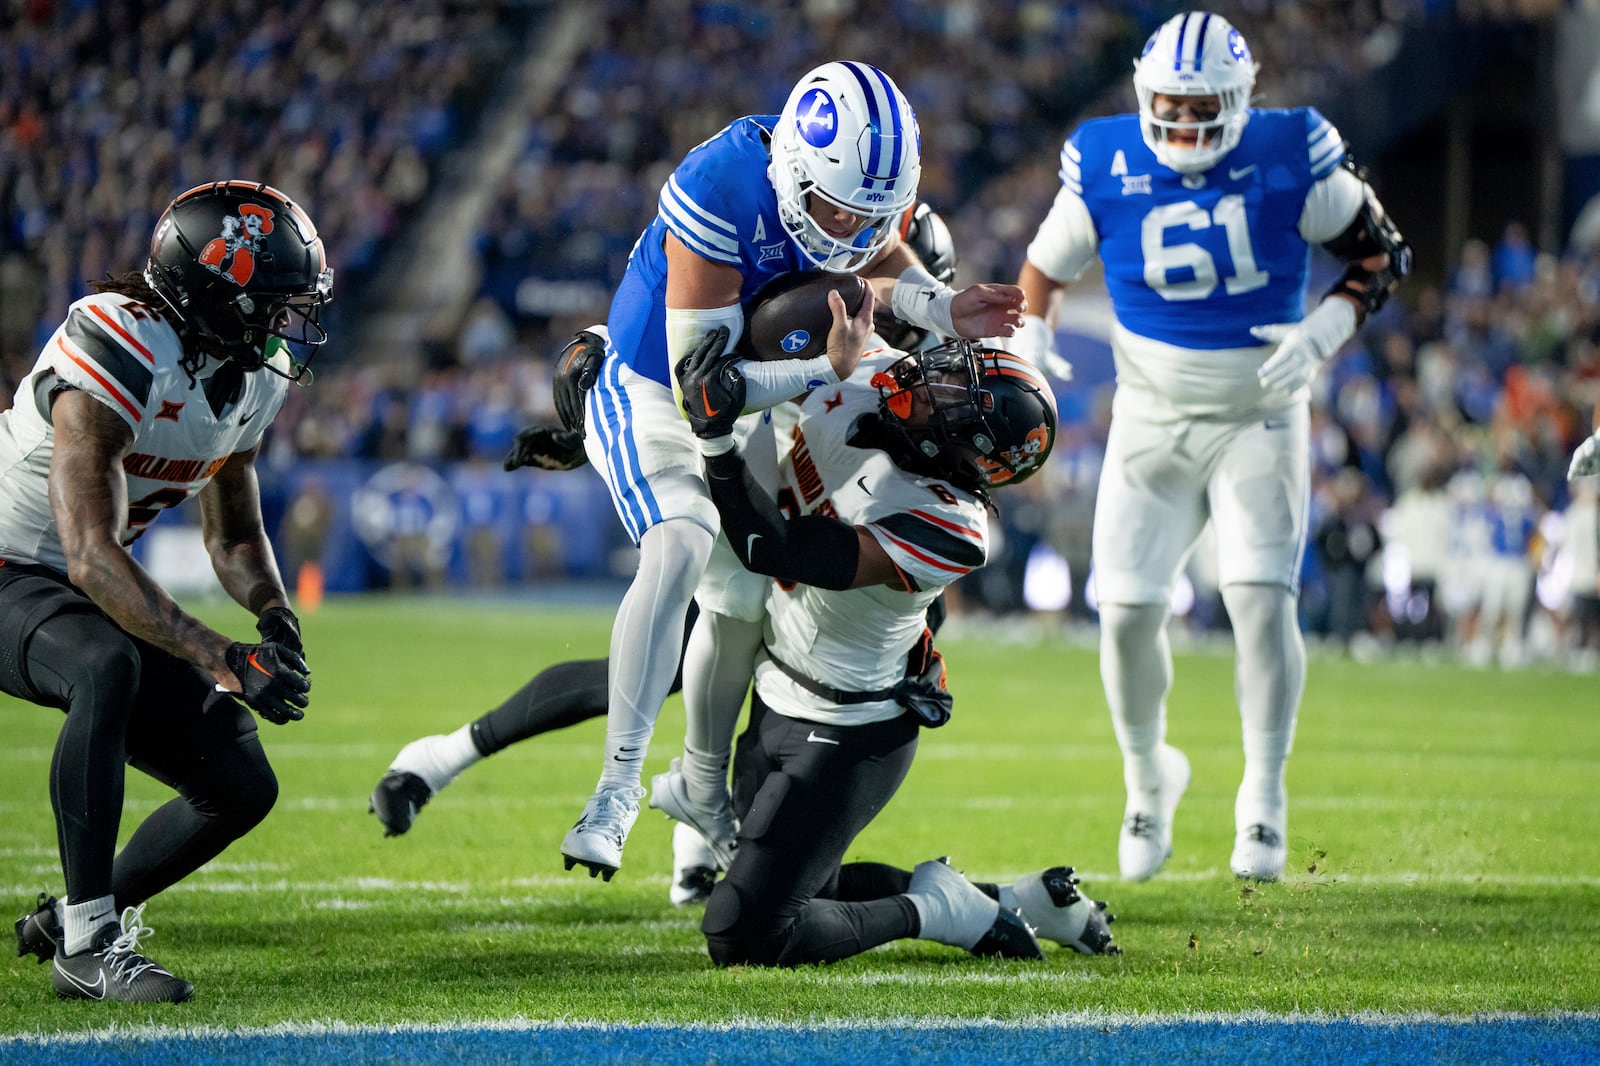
(923, 300)
(710, 447)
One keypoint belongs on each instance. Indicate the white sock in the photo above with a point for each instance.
(646, 641)
(1269, 679)
(1136, 671)
(81, 921)
(1008, 897)
(716, 676)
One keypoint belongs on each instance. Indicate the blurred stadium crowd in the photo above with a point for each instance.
(1440, 510)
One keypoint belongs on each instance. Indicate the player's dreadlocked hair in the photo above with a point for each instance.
(133, 285)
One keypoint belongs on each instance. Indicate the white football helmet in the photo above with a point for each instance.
(847, 135)
(1195, 54)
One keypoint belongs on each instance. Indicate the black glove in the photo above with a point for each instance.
(577, 367)
(923, 691)
(274, 679)
(278, 625)
(548, 448)
(713, 386)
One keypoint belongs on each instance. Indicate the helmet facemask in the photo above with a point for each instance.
(931, 404)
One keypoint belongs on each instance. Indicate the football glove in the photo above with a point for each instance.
(278, 625)
(274, 680)
(1586, 459)
(548, 448)
(577, 368)
(713, 387)
(1305, 345)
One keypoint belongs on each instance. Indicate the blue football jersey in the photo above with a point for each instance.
(1196, 260)
(721, 205)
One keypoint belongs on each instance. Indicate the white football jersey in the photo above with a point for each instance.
(124, 354)
(857, 640)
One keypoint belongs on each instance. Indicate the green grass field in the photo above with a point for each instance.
(1443, 851)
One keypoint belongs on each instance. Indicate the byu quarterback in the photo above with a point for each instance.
(1203, 211)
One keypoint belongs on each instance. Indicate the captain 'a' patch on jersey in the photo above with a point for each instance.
(934, 532)
(124, 354)
(1196, 260)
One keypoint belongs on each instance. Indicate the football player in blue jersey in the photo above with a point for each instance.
(1203, 210)
(816, 186)
(158, 386)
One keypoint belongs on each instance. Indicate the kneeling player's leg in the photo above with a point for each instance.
(212, 755)
(798, 828)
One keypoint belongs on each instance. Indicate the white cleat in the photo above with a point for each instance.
(954, 911)
(1050, 902)
(1260, 851)
(694, 868)
(669, 793)
(1146, 840)
(595, 841)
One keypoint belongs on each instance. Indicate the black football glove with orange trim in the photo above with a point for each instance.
(274, 680)
(713, 386)
(577, 369)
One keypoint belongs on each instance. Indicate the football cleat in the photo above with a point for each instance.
(669, 793)
(596, 839)
(39, 931)
(694, 868)
(397, 801)
(113, 968)
(954, 911)
(1259, 852)
(1052, 905)
(1146, 840)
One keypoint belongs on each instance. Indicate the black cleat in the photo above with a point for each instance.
(693, 886)
(595, 869)
(39, 931)
(397, 800)
(114, 969)
(1009, 938)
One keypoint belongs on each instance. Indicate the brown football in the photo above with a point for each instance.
(789, 317)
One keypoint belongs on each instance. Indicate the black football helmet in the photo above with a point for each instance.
(238, 263)
(979, 418)
(926, 234)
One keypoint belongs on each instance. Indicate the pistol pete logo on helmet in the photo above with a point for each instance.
(1001, 469)
(233, 254)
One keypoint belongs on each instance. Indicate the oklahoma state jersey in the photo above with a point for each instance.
(125, 355)
(857, 640)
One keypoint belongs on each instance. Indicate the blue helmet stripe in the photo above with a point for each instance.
(1200, 40)
(1177, 53)
(899, 133)
(873, 118)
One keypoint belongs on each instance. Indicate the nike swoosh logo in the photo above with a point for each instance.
(247, 418)
(619, 757)
(1241, 172)
(705, 401)
(814, 739)
(862, 481)
(1275, 424)
(94, 991)
(750, 544)
(252, 661)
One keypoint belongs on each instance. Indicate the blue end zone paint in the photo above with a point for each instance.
(1556, 1041)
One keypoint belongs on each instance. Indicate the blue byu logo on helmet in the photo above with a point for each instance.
(1237, 45)
(817, 118)
(795, 341)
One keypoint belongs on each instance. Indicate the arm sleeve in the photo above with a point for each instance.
(809, 550)
(1066, 242)
(1331, 205)
(769, 382)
